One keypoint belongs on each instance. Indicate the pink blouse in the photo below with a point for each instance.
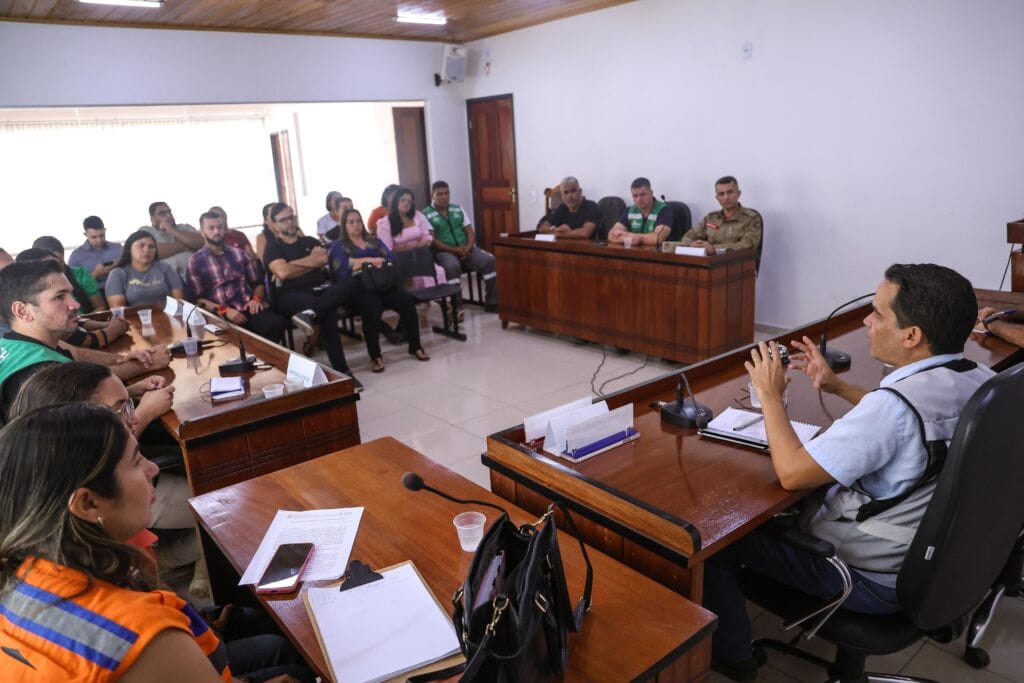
(416, 236)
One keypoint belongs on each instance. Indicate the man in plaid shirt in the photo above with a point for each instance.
(227, 281)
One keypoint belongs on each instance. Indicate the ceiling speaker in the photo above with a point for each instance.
(453, 66)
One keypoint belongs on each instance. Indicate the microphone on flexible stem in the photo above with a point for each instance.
(244, 362)
(414, 482)
(836, 359)
(686, 412)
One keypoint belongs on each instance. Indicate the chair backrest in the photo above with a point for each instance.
(552, 197)
(681, 221)
(612, 209)
(976, 511)
(418, 262)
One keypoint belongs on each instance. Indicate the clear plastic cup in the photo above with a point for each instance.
(273, 390)
(294, 385)
(627, 242)
(145, 316)
(191, 345)
(470, 526)
(117, 312)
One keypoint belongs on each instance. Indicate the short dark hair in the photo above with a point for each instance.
(387, 191)
(49, 243)
(155, 206)
(276, 209)
(126, 250)
(937, 299)
(727, 180)
(209, 216)
(23, 281)
(437, 186)
(93, 223)
(34, 254)
(640, 182)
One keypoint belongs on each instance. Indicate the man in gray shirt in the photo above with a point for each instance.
(175, 243)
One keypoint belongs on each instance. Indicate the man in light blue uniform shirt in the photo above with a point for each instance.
(871, 461)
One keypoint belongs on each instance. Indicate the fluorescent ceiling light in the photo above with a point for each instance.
(126, 3)
(431, 19)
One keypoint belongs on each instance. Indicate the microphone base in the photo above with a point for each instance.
(690, 414)
(238, 365)
(837, 360)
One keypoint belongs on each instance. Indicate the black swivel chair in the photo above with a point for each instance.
(419, 262)
(960, 549)
(681, 221)
(612, 209)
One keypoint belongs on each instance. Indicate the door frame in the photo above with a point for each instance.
(472, 157)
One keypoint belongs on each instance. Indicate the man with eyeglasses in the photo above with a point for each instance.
(734, 227)
(96, 255)
(175, 242)
(575, 217)
(304, 289)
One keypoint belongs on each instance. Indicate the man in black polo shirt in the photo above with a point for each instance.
(36, 301)
(575, 216)
(305, 291)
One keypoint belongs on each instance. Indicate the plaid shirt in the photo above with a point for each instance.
(227, 279)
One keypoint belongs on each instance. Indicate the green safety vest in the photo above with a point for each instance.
(637, 223)
(16, 354)
(449, 230)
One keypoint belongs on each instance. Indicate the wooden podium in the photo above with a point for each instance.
(1015, 235)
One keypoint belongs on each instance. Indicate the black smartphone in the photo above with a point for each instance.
(285, 569)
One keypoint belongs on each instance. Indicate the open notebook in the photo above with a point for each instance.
(747, 429)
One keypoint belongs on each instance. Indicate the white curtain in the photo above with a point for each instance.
(55, 173)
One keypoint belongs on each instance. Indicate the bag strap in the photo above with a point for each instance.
(583, 606)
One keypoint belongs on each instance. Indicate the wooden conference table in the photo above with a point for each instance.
(236, 440)
(667, 501)
(635, 630)
(685, 308)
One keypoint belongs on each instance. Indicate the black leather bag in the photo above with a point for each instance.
(379, 279)
(513, 614)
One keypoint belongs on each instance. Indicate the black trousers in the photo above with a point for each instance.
(325, 306)
(371, 304)
(267, 324)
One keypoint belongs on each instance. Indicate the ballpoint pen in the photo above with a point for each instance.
(748, 423)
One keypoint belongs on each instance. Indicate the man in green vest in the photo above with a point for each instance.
(454, 243)
(647, 222)
(36, 301)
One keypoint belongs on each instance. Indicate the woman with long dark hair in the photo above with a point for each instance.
(140, 278)
(355, 248)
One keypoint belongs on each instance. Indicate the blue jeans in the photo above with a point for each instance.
(785, 564)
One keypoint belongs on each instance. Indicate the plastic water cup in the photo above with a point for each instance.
(470, 526)
(191, 345)
(117, 312)
(273, 390)
(145, 316)
(755, 401)
(294, 385)
(627, 242)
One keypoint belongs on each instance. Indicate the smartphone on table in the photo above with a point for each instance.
(285, 569)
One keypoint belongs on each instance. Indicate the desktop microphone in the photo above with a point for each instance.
(686, 412)
(836, 359)
(414, 482)
(244, 362)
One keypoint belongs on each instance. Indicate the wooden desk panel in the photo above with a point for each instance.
(636, 629)
(670, 499)
(237, 440)
(687, 308)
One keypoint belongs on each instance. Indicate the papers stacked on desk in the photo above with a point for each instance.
(226, 388)
(381, 629)
(332, 533)
(580, 429)
(747, 429)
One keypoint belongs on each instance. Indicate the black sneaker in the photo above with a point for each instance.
(304, 321)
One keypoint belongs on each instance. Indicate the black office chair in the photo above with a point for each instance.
(681, 221)
(612, 209)
(419, 262)
(971, 525)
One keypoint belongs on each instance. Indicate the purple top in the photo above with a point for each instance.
(338, 258)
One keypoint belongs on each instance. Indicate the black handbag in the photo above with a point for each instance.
(513, 614)
(378, 279)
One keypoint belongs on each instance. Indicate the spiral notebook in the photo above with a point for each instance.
(746, 428)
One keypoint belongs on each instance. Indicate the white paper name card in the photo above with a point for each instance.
(544, 238)
(600, 427)
(691, 251)
(172, 307)
(534, 426)
(558, 426)
(305, 369)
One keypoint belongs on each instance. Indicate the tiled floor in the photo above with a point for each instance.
(446, 408)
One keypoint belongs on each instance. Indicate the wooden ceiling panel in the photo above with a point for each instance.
(467, 19)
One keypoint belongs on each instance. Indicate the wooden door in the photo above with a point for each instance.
(281, 149)
(411, 149)
(492, 158)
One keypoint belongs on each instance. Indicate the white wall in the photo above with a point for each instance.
(51, 65)
(866, 133)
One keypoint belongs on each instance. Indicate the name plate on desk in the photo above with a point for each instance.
(690, 251)
(305, 369)
(541, 237)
